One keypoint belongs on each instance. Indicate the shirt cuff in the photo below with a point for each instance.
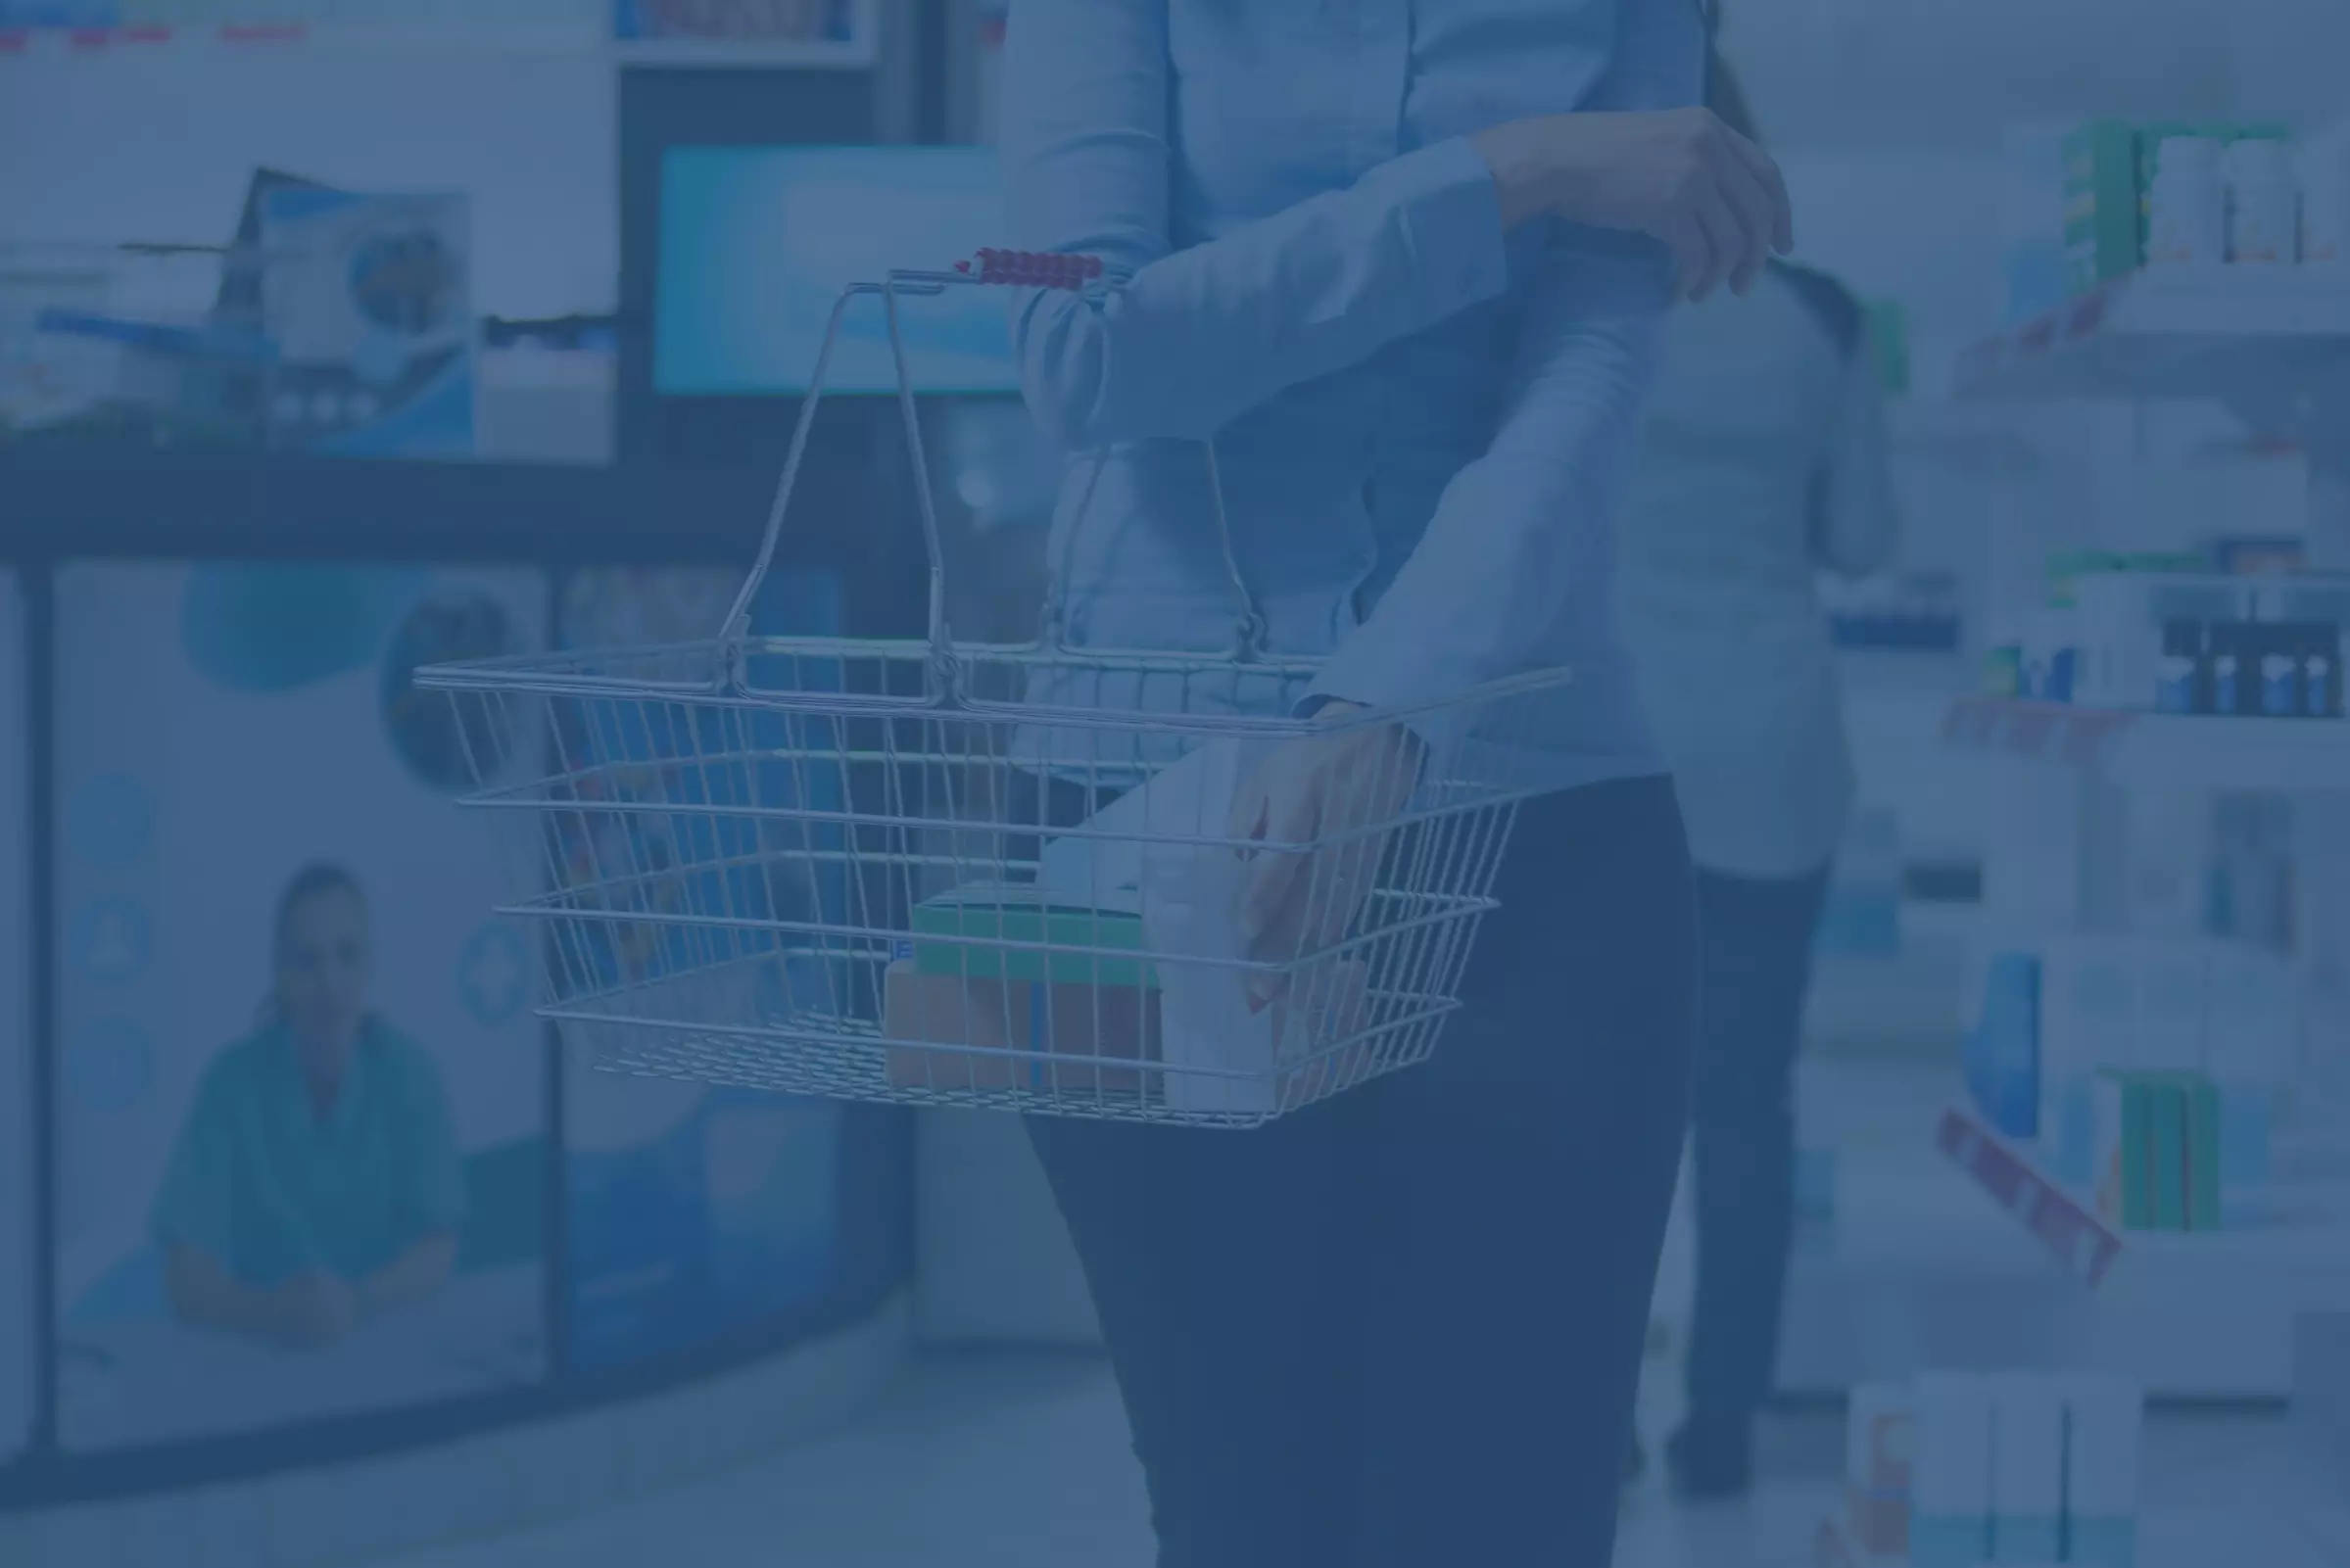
(1392, 677)
(1452, 217)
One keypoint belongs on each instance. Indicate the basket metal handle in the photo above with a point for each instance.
(991, 269)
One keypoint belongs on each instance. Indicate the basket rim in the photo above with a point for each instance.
(556, 673)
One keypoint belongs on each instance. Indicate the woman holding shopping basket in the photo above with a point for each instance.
(1405, 263)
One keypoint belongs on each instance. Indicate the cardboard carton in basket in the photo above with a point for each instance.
(1026, 993)
(1072, 1038)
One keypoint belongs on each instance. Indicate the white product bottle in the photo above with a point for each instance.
(1950, 1486)
(2028, 1427)
(2186, 222)
(2104, 1419)
(2263, 204)
(2326, 202)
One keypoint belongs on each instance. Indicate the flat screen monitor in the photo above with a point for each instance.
(302, 1091)
(756, 242)
(16, 1273)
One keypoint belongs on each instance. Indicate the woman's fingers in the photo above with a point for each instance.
(1757, 221)
(1714, 219)
(1767, 172)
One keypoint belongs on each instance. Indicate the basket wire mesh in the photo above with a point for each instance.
(1035, 877)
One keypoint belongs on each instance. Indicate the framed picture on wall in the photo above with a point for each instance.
(301, 1118)
(811, 34)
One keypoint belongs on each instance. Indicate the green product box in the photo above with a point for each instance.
(1888, 335)
(2102, 211)
(2067, 567)
(2166, 1118)
(2157, 1149)
(1001, 930)
(2197, 1177)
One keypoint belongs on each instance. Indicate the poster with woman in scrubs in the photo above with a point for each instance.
(302, 1136)
(315, 1184)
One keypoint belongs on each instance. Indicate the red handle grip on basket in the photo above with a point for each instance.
(1032, 269)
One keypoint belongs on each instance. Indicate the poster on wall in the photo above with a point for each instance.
(16, 1273)
(698, 1210)
(301, 1089)
(747, 33)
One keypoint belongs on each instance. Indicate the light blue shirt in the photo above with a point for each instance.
(1424, 425)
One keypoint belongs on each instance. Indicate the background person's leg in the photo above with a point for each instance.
(1754, 941)
(1527, 1174)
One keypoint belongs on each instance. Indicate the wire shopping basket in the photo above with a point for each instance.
(1072, 881)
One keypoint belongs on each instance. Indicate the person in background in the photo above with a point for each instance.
(1762, 461)
(315, 1183)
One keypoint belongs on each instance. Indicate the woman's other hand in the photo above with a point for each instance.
(1680, 175)
(315, 1309)
(1340, 791)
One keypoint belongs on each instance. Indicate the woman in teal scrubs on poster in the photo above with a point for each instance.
(317, 1182)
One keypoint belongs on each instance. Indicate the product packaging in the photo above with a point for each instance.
(2251, 1035)
(2088, 1025)
(2186, 205)
(2027, 1470)
(2183, 678)
(2121, 622)
(2002, 1049)
(2104, 1418)
(1068, 1034)
(1950, 1486)
(2324, 176)
(2232, 660)
(2157, 1140)
(1880, 1455)
(2101, 206)
(2050, 656)
(2263, 203)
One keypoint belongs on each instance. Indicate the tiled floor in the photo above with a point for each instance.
(1021, 1462)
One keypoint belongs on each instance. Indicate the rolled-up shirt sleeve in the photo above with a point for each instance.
(1184, 339)
(1497, 568)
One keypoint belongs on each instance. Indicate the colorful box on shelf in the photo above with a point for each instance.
(2156, 1141)
(2002, 1050)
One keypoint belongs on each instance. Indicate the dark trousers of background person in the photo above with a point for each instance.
(1403, 1328)
(1754, 939)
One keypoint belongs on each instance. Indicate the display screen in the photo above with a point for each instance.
(301, 1111)
(695, 1210)
(756, 243)
(16, 1273)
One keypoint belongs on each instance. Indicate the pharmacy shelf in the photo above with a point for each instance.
(2173, 750)
(1914, 1264)
(2297, 1252)
(2219, 334)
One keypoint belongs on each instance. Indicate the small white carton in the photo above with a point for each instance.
(2027, 1469)
(2104, 1434)
(1950, 1489)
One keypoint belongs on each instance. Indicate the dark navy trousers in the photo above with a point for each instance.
(1403, 1328)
